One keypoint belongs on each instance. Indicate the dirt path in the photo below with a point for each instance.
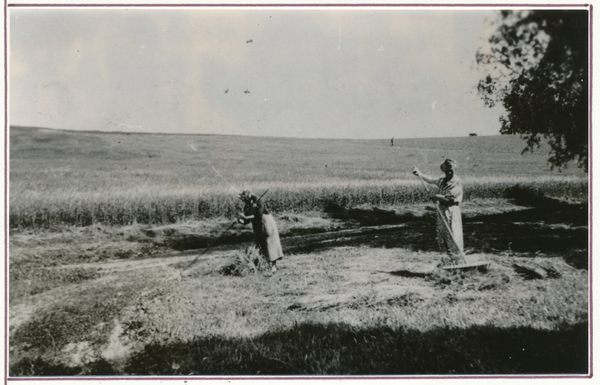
(499, 229)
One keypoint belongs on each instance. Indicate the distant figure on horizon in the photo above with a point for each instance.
(448, 199)
(392, 141)
(266, 235)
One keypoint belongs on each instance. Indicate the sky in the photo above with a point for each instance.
(360, 73)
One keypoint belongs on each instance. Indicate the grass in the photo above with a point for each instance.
(35, 280)
(85, 317)
(334, 349)
(97, 220)
(323, 313)
(128, 207)
(123, 179)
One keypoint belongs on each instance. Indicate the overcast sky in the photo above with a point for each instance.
(331, 73)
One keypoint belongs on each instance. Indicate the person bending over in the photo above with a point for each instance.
(266, 235)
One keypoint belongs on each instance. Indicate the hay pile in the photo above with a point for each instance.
(246, 263)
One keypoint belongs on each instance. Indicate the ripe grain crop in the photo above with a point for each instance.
(60, 178)
(156, 205)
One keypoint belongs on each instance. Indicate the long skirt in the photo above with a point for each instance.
(266, 238)
(445, 242)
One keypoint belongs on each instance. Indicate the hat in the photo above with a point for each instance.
(448, 164)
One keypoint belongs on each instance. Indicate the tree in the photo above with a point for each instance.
(538, 62)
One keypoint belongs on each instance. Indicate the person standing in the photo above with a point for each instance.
(266, 235)
(448, 199)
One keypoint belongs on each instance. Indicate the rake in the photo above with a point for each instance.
(467, 262)
(187, 270)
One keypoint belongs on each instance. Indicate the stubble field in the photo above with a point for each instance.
(101, 223)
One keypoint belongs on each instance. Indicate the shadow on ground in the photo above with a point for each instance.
(550, 228)
(340, 349)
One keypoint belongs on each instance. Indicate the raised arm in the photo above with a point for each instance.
(426, 178)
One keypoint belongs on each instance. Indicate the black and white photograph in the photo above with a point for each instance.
(334, 192)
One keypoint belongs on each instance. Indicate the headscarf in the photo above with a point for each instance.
(448, 164)
(245, 196)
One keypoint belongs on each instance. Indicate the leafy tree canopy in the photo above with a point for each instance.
(538, 69)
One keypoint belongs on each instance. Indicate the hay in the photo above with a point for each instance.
(246, 263)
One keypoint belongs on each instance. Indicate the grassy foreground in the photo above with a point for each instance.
(343, 312)
(343, 306)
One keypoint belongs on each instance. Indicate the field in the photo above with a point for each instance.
(100, 224)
